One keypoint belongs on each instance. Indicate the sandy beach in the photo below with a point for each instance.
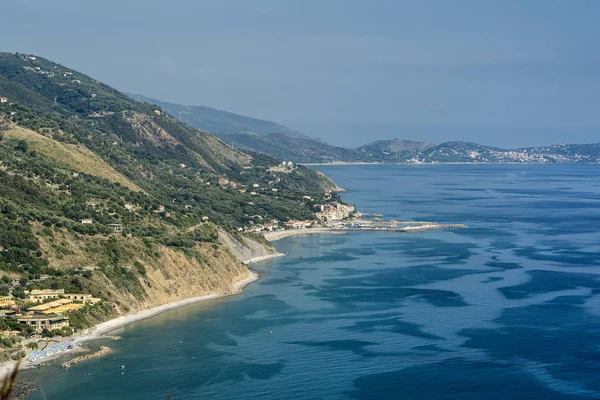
(101, 329)
(273, 236)
(119, 322)
(254, 260)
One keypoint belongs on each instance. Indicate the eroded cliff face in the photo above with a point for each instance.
(177, 276)
(149, 276)
(246, 249)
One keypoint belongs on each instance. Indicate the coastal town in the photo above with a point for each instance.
(30, 322)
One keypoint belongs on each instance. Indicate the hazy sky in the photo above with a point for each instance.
(499, 72)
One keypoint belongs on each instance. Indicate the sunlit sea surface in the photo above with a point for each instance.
(507, 309)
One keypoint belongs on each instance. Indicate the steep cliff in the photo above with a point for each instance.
(143, 275)
(247, 249)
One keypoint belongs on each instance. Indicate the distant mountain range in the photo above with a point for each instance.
(465, 152)
(253, 134)
(287, 144)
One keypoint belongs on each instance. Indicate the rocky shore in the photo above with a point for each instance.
(103, 351)
(23, 389)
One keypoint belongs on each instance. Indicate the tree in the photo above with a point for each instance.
(32, 345)
(22, 145)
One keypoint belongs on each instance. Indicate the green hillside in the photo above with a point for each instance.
(77, 157)
(257, 135)
(219, 122)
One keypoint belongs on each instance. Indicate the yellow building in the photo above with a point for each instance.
(41, 322)
(56, 307)
(66, 308)
(40, 295)
(84, 298)
(6, 301)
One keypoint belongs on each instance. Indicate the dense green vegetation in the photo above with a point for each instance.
(86, 172)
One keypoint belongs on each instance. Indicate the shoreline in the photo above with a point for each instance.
(105, 327)
(98, 331)
(257, 259)
(412, 226)
(343, 163)
(274, 236)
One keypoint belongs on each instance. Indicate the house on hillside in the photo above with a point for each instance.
(7, 302)
(86, 221)
(223, 181)
(116, 228)
(3, 99)
(41, 322)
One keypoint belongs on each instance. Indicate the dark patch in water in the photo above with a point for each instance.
(543, 281)
(503, 265)
(561, 255)
(492, 279)
(330, 257)
(349, 298)
(276, 281)
(421, 248)
(365, 251)
(241, 371)
(454, 379)
(560, 335)
(357, 347)
(394, 325)
(407, 276)
(432, 347)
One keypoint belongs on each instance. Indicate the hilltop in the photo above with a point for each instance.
(219, 122)
(108, 196)
(256, 135)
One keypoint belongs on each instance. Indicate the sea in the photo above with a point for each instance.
(506, 309)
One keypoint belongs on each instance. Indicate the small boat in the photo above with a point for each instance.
(300, 257)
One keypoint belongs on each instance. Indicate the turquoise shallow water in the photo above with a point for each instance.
(509, 308)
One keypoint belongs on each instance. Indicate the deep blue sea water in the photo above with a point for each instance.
(507, 309)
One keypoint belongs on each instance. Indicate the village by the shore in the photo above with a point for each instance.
(48, 347)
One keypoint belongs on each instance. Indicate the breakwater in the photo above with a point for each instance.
(100, 353)
(391, 227)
